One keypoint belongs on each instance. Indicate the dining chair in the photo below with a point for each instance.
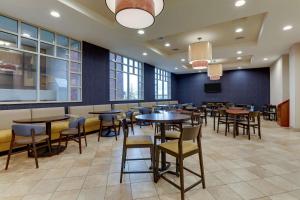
(144, 111)
(75, 132)
(109, 122)
(139, 142)
(223, 118)
(252, 121)
(130, 119)
(181, 149)
(30, 135)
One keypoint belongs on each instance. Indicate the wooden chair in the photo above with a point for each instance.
(75, 132)
(30, 135)
(130, 119)
(108, 122)
(252, 121)
(144, 111)
(181, 149)
(223, 118)
(135, 142)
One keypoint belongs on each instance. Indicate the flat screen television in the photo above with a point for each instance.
(212, 87)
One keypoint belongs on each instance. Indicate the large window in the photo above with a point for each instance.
(37, 65)
(162, 84)
(126, 78)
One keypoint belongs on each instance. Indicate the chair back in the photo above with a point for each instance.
(107, 117)
(190, 133)
(28, 129)
(222, 113)
(125, 129)
(254, 116)
(129, 114)
(145, 111)
(77, 122)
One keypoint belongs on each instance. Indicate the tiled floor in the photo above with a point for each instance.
(234, 168)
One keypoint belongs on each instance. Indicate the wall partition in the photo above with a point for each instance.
(38, 65)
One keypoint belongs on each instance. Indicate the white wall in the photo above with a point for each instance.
(279, 80)
(295, 86)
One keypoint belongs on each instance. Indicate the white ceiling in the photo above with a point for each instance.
(82, 23)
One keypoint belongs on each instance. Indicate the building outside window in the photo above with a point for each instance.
(162, 84)
(126, 79)
(37, 65)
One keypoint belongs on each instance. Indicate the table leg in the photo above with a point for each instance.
(163, 140)
(214, 121)
(48, 132)
(235, 126)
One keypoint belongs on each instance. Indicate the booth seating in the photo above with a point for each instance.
(92, 122)
(6, 121)
(148, 104)
(126, 107)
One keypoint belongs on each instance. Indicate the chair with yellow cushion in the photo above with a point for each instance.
(142, 141)
(109, 122)
(181, 149)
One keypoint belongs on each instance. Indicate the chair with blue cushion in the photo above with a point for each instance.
(144, 111)
(75, 132)
(109, 122)
(30, 135)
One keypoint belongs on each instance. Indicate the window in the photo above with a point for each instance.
(126, 78)
(162, 84)
(37, 65)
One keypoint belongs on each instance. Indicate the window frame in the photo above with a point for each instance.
(140, 76)
(39, 54)
(164, 76)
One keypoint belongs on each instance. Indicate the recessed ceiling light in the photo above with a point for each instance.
(240, 3)
(239, 67)
(266, 59)
(55, 14)
(184, 66)
(176, 68)
(182, 60)
(167, 44)
(199, 71)
(239, 52)
(287, 28)
(145, 54)
(26, 35)
(239, 58)
(141, 32)
(239, 30)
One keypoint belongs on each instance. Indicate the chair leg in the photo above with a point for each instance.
(9, 152)
(100, 132)
(116, 134)
(123, 163)
(248, 131)
(49, 145)
(59, 142)
(202, 168)
(132, 129)
(181, 175)
(156, 168)
(67, 140)
(259, 132)
(35, 155)
(84, 135)
(79, 142)
(218, 126)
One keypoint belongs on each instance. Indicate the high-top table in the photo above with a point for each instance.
(48, 121)
(236, 113)
(163, 119)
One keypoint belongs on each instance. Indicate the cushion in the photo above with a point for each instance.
(104, 107)
(173, 102)
(5, 136)
(48, 112)
(172, 146)
(92, 124)
(25, 129)
(57, 127)
(148, 104)
(162, 103)
(171, 134)
(7, 117)
(28, 140)
(136, 140)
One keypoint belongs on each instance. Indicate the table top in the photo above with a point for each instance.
(165, 117)
(140, 107)
(237, 112)
(42, 119)
(161, 106)
(106, 112)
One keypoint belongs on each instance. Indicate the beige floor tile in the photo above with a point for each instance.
(227, 177)
(284, 196)
(223, 193)
(246, 191)
(96, 193)
(95, 181)
(37, 196)
(143, 190)
(46, 186)
(66, 195)
(72, 183)
(265, 187)
(196, 194)
(282, 183)
(118, 192)
(77, 171)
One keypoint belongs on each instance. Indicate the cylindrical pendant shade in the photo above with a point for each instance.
(136, 14)
(215, 70)
(200, 53)
(214, 78)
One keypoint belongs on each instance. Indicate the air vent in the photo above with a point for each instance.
(175, 49)
(240, 38)
(160, 38)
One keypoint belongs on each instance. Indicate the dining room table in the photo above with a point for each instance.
(162, 119)
(44, 152)
(236, 114)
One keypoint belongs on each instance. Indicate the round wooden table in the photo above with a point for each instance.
(236, 113)
(163, 119)
(42, 152)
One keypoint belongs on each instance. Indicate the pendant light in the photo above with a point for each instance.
(135, 14)
(200, 54)
(215, 71)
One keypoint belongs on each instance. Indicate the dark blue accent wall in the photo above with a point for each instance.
(250, 86)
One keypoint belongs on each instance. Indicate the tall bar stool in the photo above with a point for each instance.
(181, 149)
(135, 142)
(30, 135)
(75, 132)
